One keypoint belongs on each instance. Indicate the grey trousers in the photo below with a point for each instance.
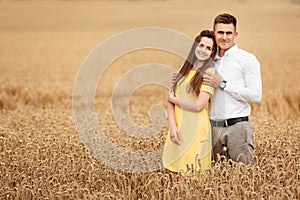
(237, 140)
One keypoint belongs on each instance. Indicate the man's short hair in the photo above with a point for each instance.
(225, 18)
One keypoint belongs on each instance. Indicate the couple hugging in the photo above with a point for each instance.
(208, 109)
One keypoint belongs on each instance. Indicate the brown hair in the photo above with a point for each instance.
(225, 18)
(195, 83)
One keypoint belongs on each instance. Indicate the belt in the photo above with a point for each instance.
(228, 122)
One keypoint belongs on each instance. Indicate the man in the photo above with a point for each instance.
(237, 82)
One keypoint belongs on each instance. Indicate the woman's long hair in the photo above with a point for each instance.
(195, 83)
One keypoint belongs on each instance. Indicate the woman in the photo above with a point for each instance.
(189, 138)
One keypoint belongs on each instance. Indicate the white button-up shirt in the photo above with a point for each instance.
(241, 70)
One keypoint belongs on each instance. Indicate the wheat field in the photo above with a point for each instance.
(44, 43)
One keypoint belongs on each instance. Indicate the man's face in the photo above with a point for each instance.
(225, 35)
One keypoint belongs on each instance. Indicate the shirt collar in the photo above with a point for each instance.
(230, 51)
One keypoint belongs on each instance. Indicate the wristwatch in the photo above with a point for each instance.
(222, 85)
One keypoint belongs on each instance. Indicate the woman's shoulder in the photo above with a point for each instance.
(210, 69)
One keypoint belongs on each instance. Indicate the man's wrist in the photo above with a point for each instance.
(222, 85)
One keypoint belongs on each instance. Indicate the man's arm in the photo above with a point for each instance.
(253, 90)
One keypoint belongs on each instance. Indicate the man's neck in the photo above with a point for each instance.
(222, 51)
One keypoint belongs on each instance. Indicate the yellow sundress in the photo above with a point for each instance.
(195, 132)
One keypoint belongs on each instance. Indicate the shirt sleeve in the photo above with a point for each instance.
(252, 90)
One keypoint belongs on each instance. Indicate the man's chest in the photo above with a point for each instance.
(231, 69)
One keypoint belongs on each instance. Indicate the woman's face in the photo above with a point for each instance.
(204, 49)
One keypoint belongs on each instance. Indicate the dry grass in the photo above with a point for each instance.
(42, 156)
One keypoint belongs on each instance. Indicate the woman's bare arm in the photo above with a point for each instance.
(194, 106)
(174, 132)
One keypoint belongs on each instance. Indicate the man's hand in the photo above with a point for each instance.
(212, 79)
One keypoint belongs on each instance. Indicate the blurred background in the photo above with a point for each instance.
(43, 43)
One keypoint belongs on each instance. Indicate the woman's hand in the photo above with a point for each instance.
(175, 135)
(171, 97)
